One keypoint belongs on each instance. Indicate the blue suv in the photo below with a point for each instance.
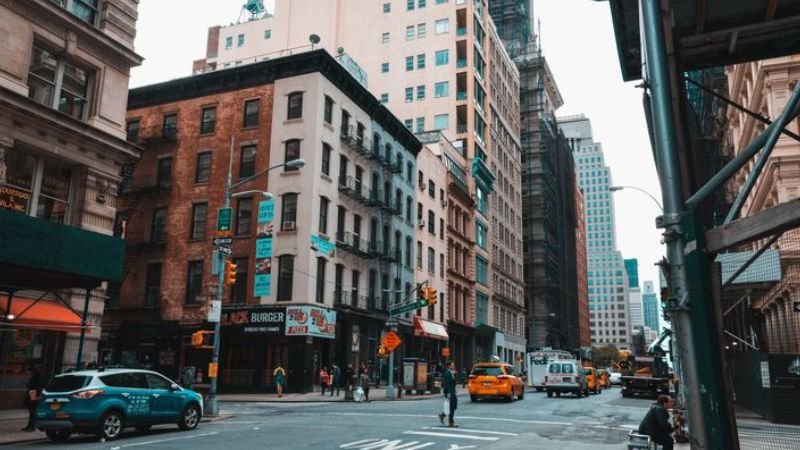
(105, 401)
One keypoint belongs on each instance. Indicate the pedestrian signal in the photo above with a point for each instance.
(202, 339)
(383, 352)
(230, 273)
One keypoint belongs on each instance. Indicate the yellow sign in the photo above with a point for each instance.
(212, 370)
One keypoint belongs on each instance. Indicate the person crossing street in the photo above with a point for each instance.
(450, 399)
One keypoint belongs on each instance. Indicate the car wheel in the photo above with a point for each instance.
(58, 435)
(473, 398)
(143, 428)
(626, 395)
(558, 394)
(190, 417)
(549, 394)
(111, 425)
(579, 393)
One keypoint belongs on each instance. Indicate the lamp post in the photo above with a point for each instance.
(213, 407)
(619, 188)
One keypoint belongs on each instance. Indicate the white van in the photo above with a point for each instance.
(537, 365)
(565, 377)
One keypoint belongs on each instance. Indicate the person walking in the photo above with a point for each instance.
(451, 400)
(364, 383)
(336, 379)
(349, 378)
(656, 423)
(280, 379)
(324, 379)
(33, 395)
(464, 377)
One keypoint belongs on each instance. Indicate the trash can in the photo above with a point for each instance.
(415, 375)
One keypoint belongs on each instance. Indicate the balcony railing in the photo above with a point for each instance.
(357, 190)
(351, 299)
(352, 243)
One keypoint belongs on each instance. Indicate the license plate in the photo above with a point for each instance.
(55, 406)
(567, 380)
(486, 383)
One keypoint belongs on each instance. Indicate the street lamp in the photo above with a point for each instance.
(213, 407)
(619, 188)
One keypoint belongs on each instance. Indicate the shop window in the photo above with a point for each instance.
(36, 186)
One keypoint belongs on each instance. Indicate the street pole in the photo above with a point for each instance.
(213, 407)
(392, 324)
(79, 359)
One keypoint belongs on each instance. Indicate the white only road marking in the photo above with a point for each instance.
(453, 435)
(468, 430)
(158, 441)
(458, 447)
(498, 419)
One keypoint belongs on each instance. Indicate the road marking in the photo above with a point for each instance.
(453, 435)
(385, 444)
(158, 441)
(497, 419)
(468, 430)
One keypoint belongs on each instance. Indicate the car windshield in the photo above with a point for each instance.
(487, 371)
(68, 383)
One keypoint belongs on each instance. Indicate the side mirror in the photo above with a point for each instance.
(174, 387)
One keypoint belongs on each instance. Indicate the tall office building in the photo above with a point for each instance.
(609, 307)
(552, 290)
(438, 66)
(650, 306)
(632, 269)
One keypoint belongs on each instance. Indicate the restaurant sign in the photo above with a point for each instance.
(310, 321)
(255, 319)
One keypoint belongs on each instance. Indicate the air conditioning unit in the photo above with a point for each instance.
(289, 226)
(421, 223)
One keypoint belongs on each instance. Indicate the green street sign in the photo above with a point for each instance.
(224, 219)
(409, 307)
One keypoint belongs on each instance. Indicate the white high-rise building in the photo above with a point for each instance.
(609, 304)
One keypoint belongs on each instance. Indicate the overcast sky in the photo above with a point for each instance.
(578, 41)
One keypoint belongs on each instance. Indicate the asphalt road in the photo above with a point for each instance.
(566, 423)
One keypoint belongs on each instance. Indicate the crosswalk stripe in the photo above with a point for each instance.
(453, 435)
(468, 430)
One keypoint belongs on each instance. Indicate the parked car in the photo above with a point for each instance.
(495, 380)
(106, 401)
(592, 379)
(616, 378)
(566, 377)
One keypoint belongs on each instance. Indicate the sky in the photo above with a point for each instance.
(578, 41)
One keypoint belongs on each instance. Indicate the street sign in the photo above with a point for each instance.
(222, 241)
(225, 250)
(408, 307)
(214, 310)
(797, 307)
(224, 219)
(391, 341)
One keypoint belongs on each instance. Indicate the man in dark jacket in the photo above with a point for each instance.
(656, 423)
(32, 396)
(449, 388)
(336, 377)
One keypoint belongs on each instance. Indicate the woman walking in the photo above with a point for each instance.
(280, 379)
(324, 379)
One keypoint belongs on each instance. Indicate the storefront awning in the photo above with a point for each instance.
(41, 314)
(428, 329)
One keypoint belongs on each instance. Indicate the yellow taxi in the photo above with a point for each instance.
(495, 380)
(592, 379)
(605, 378)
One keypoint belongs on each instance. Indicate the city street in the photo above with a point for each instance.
(598, 422)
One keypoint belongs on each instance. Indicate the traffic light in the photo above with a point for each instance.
(199, 339)
(431, 295)
(230, 273)
(665, 304)
(383, 352)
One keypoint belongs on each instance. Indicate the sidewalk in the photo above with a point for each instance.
(13, 420)
(375, 394)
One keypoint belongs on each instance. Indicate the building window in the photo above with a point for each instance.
(326, 159)
(132, 130)
(58, 84)
(385, 67)
(482, 201)
(321, 265)
(239, 289)
(158, 225)
(481, 271)
(441, 264)
(267, 34)
(409, 123)
(228, 42)
(387, 8)
(247, 161)
(442, 57)
(442, 26)
(421, 31)
(251, 110)
(240, 40)
(410, 5)
(421, 92)
(420, 124)
(410, 32)
(431, 261)
(203, 173)
(152, 285)
(328, 112)
(419, 255)
(385, 38)
(409, 63)
(244, 216)
(170, 126)
(199, 217)
(409, 243)
(292, 153)
(384, 98)
(194, 281)
(323, 214)
(289, 212)
(431, 188)
(295, 106)
(441, 122)
(209, 120)
(409, 95)
(441, 89)
(285, 277)
(164, 173)
(420, 3)
(481, 233)
(421, 61)
(431, 222)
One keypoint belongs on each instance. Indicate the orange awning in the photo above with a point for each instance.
(43, 314)
(428, 329)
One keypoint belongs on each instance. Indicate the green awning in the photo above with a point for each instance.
(35, 253)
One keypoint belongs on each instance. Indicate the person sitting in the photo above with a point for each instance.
(656, 423)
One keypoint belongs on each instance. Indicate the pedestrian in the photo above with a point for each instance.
(656, 423)
(364, 383)
(336, 379)
(189, 377)
(280, 379)
(464, 377)
(450, 399)
(349, 376)
(32, 395)
(324, 379)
